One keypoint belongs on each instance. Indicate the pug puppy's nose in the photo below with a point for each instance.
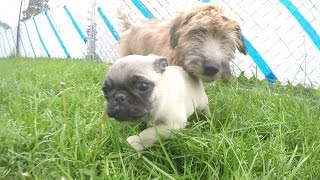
(120, 98)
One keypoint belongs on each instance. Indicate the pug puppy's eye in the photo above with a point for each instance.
(106, 96)
(106, 88)
(142, 86)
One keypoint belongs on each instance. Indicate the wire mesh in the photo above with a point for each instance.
(284, 34)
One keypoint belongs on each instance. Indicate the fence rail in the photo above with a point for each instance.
(282, 37)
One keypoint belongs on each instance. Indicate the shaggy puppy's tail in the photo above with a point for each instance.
(124, 20)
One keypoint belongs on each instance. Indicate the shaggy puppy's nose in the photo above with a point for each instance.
(210, 68)
(120, 98)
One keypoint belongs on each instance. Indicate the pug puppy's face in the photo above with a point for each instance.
(129, 85)
(128, 100)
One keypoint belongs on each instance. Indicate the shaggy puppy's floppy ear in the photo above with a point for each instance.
(160, 63)
(178, 22)
(173, 34)
(240, 44)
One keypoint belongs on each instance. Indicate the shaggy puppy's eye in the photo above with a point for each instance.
(142, 86)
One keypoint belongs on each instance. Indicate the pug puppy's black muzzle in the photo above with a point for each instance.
(122, 108)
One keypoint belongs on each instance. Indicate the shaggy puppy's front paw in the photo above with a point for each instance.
(135, 143)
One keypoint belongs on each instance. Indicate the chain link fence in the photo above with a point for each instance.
(282, 37)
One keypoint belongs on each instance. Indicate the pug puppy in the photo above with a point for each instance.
(145, 88)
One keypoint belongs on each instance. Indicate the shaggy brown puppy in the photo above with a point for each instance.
(202, 40)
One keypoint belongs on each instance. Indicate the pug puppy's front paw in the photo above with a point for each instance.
(135, 143)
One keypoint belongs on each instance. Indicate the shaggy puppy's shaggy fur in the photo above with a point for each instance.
(203, 40)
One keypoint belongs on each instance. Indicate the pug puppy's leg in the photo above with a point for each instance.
(204, 107)
(149, 136)
(207, 112)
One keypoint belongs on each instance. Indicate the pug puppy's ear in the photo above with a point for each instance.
(160, 64)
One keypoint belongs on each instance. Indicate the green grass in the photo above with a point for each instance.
(54, 131)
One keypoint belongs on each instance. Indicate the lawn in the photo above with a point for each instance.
(53, 126)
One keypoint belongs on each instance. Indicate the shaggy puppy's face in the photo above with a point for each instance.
(205, 41)
(207, 54)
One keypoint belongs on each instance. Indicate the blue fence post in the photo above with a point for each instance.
(24, 50)
(2, 46)
(75, 24)
(40, 38)
(57, 36)
(10, 48)
(261, 63)
(303, 22)
(109, 25)
(25, 25)
(143, 9)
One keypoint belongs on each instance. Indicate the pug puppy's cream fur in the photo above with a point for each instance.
(144, 87)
